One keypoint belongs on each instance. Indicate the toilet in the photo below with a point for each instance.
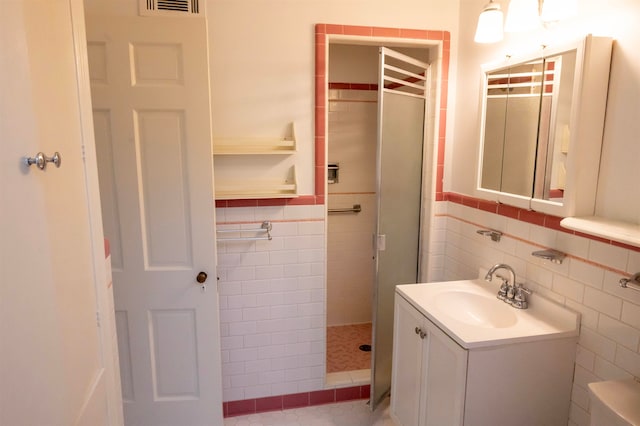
(615, 403)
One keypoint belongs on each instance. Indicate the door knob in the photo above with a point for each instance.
(41, 160)
(202, 277)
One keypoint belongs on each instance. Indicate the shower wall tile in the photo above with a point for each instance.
(587, 282)
(272, 308)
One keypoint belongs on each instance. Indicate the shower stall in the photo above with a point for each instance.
(377, 105)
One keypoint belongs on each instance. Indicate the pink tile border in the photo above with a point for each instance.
(529, 216)
(296, 400)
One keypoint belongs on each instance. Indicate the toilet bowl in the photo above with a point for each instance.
(615, 403)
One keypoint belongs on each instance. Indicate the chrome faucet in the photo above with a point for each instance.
(510, 292)
(507, 283)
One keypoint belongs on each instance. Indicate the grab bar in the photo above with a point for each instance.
(355, 209)
(632, 283)
(265, 227)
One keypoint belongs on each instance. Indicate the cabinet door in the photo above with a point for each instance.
(407, 375)
(446, 373)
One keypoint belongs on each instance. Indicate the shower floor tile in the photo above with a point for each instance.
(343, 342)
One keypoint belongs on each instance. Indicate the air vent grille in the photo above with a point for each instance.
(169, 7)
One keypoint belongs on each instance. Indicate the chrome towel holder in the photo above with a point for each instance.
(266, 227)
(633, 282)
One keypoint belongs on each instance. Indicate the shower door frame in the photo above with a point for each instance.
(437, 43)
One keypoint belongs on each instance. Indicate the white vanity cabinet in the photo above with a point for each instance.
(436, 381)
(425, 362)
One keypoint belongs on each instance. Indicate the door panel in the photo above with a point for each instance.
(151, 81)
(400, 144)
(52, 275)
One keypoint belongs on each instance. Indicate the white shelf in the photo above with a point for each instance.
(622, 232)
(241, 167)
(256, 189)
(254, 146)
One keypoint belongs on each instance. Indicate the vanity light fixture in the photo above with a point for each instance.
(489, 29)
(522, 15)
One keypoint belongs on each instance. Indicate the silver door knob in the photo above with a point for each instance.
(41, 160)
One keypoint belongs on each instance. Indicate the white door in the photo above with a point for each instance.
(52, 252)
(150, 91)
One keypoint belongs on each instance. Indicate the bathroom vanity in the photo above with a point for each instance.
(463, 357)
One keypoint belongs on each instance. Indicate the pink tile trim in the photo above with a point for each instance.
(107, 248)
(529, 216)
(296, 400)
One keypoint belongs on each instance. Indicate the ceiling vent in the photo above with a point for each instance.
(173, 8)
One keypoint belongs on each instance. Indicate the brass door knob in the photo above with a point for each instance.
(202, 277)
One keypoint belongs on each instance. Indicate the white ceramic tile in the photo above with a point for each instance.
(585, 358)
(240, 328)
(244, 380)
(254, 259)
(256, 314)
(544, 236)
(270, 352)
(588, 316)
(518, 228)
(572, 289)
(241, 274)
(284, 311)
(228, 259)
(256, 340)
(619, 332)
(628, 360)
(231, 315)
(583, 377)
(271, 376)
(580, 397)
(631, 314)
(282, 363)
(340, 378)
(597, 343)
(257, 391)
(633, 264)
(609, 371)
(240, 214)
(586, 273)
(297, 270)
(231, 342)
(603, 302)
(606, 254)
(579, 416)
(237, 355)
(572, 244)
(284, 257)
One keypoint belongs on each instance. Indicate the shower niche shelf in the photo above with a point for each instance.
(252, 168)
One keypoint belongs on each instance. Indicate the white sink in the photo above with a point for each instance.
(476, 309)
(470, 313)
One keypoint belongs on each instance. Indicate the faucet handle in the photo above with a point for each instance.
(520, 298)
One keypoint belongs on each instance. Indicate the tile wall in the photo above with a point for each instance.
(272, 302)
(587, 281)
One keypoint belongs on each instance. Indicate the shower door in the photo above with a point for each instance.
(403, 82)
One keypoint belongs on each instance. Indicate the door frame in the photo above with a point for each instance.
(438, 44)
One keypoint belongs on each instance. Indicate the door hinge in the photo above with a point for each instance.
(98, 318)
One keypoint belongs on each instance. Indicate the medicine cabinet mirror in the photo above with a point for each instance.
(542, 123)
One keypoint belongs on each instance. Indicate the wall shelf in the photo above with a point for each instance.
(251, 168)
(254, 146)
(254, 189)
(615, 230)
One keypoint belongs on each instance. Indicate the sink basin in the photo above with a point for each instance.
(475, 309)
(469, 312)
